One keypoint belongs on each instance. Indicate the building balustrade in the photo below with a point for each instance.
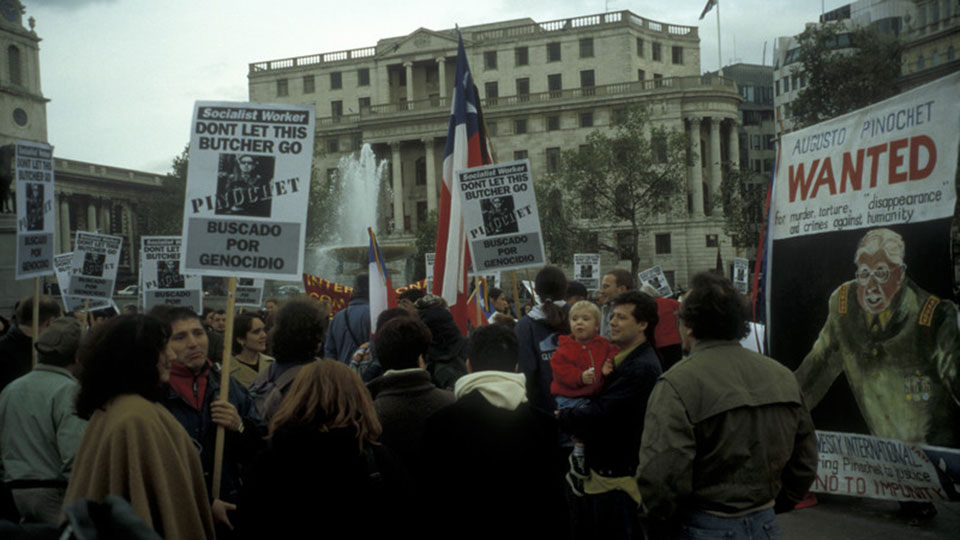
(492, 34)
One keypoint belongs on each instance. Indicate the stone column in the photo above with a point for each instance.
(715, 169)
(695, 174)
(734, 135)
(91, 217)
(104, 216)
(442, 68)
(409, 68)
(430, 158)
(397, 188)
(65, 245)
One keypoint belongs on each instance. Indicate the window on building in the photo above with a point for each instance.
(553, 122)
(553, 159)
(712, 240)
(787, 110)
(523, 89)
(336, 108)
(586, 47)
(521, 56)
(364, 104)
(520, 126)
(641, 74)
(951, 53)
(420, 170)
(618, 115)
(333, 146)
(519, 154)
(490, 60)
(587, 79)
(588, 206)
(767, 165)
(492, 91)
(658, 144)
(308, 84)
(15, 68)
(786, 83)
(626, 245)
(677, 55)
(363, 77)
(357, 141)
(657, 80)
(491, 128)
(920, 63)
(657, 57)
(586, 119)
(803, 80)
(751, 118)
(553, 51)
(640, 47)
(756, 142)
(935, 58)
(795, 81)
(555, 84)
(282, 88)
(776, 85)
(769, 142)
(662, 243)
(336, 80)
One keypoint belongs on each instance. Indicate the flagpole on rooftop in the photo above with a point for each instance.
(719, 54)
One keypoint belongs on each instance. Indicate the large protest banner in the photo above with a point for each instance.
(93, 267)
(860, 267)
(339, 295)
(161, 280)
(500, 216)
(248, 183)
(36, 223)
(62, 264)
(586, 269)
(878, 468)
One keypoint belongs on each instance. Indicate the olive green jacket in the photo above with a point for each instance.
(726, 432)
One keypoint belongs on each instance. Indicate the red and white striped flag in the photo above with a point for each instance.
(466, 147)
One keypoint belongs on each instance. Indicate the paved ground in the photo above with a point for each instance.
(850, 518)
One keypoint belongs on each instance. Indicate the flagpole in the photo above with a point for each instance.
(719, 54)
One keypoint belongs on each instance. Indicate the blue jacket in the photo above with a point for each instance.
(535, 345)
(240, 449)
(343, 339)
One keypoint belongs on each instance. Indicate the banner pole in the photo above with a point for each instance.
(224, 383)
(86, 314)
(516, 294)
(36, 320)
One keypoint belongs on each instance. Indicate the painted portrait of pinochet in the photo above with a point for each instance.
(897, 344)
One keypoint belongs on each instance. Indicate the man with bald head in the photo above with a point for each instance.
(897, 344)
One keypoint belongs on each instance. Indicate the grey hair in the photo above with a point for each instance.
(881, 239)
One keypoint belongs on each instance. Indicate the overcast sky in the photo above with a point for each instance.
(122, 75)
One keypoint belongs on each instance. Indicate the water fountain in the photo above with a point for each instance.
(355, 208)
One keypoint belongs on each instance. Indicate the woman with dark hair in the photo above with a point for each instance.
(537, 335)
(297, 339)
(446, 356)
(134, 447)
(325, 434)
(249, 343)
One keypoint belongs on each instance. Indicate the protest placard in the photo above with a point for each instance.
(93, 268)
(36, 222)
(879, 468)
(62, 264)
(249, 292)
(161, 281)
(339, 295)
(655, 277)
(586, 269)
(500, 216)
(248, 183)
(860, 269)
(741, 274)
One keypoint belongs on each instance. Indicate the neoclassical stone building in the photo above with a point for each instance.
(545, 87)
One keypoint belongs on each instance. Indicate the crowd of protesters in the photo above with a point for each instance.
(578, 419)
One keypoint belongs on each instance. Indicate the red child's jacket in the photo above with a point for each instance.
(573, 358)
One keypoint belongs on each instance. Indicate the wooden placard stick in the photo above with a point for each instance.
(36, 320)
(224, 383)
(516, 294)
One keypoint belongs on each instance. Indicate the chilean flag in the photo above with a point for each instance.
(382, 295)
(466, 147)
